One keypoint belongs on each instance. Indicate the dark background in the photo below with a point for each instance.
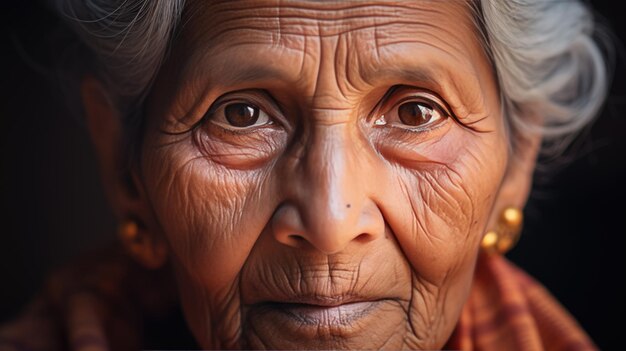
(53, 207)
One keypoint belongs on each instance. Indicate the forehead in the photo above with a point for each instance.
(258, 18)
(365, 40)
(281, 22)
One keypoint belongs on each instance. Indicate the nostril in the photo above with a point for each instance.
(296, 240)
(363, 238)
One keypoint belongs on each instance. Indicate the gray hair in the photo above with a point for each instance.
(128, 41)
(551, 71)
(544, 54)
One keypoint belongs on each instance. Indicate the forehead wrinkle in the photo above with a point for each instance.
(256, 28)
(321, 10)
(342, 66)
(327, 91)
(316, 18)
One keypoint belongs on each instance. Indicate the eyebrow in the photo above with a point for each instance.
(422, 75)
(254, 73)
(436, 79)
(243, 72)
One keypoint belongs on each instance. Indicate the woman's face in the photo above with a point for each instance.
(323, 172)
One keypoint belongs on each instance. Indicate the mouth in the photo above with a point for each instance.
(322, 311)
(320, 322)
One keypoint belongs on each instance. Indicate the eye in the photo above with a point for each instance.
(415, 112)
(412, 115)
(238, 115)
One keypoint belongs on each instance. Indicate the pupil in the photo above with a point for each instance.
(414, 114)
(241, 115)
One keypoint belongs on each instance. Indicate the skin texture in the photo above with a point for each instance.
(323, 225)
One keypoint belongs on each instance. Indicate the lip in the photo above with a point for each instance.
(322, 301)
(317, 322)
(331, 312)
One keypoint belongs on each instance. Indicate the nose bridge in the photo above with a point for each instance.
(332, 189)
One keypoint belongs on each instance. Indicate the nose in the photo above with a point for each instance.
(330, 205)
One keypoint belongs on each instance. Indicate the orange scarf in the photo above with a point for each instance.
(509, 310)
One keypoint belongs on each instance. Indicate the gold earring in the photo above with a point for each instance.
(140, 245)
(128, 230)
(507, 232)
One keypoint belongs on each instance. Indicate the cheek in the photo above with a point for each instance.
(439, 221)
(446, 200)
(447, 209)
(200, 206)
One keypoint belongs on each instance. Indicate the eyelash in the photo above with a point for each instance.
(256, 102)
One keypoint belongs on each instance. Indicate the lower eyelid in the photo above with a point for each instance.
(242, 130)
(217, 130)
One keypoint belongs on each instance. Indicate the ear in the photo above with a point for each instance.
(122, 184)
(517, 182)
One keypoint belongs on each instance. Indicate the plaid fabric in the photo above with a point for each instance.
(95, 305)
(509, 310)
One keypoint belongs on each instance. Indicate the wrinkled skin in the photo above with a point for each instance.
(321, 226)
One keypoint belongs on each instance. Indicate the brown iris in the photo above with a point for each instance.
(415, 113)
(241, 115)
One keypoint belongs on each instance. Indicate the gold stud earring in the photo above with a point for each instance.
(507, 232)
(128, 230)
(140, 245)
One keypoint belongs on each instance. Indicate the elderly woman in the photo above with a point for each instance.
(308, 174)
